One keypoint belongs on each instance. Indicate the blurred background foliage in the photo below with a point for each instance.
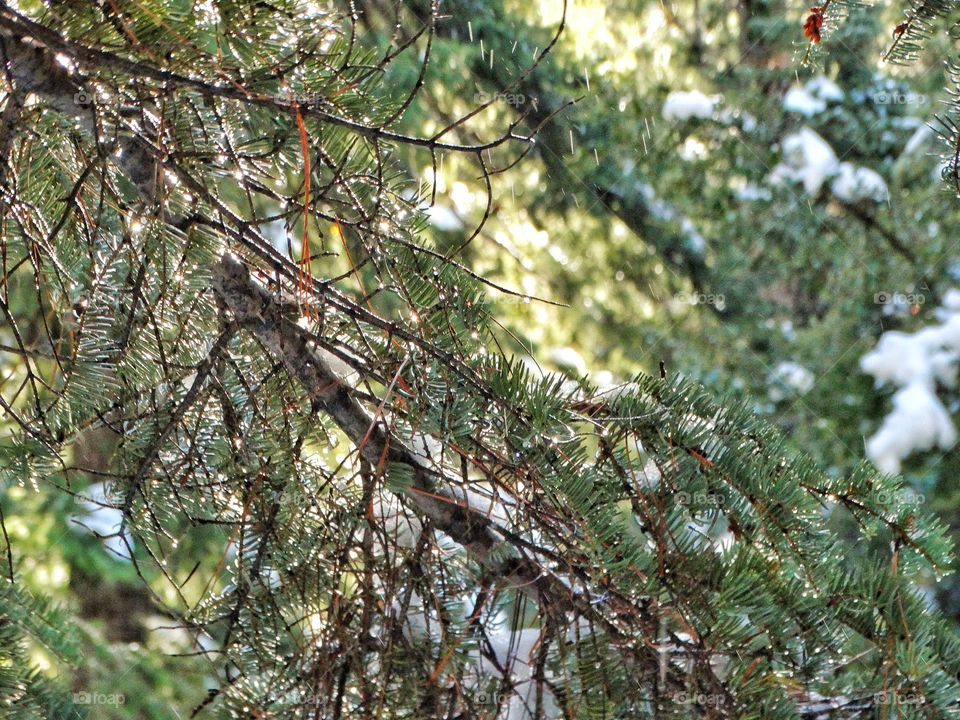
(655, 241)
(668, 241)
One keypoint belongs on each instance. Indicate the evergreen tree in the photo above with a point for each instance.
(25, 621)
(216, 276)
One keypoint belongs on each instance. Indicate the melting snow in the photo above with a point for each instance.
(517, 651)
(102, 520)
(568, 359)
(853, 184)
(813, 97)
(790, 376)
(683, 105)
(807, 158)
(917, 363)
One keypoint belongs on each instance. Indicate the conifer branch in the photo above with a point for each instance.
(429, 491)
(14, 24)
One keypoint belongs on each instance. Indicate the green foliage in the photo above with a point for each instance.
(341, 485)
(30, 624)
(919, 23)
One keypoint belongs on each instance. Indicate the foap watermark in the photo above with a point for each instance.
(894, 97)
(703, 500)
(698, 698)
(299, 98)
(900, 698)
(511, 99)
(98, 698)
(100, 97)
(896, 298)
(718, 300)
(891, 498)
(296, 698)
(485, 699)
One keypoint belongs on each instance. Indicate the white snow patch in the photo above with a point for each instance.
(918, 422)
(339, 366)
(807, 158)
(853, 184)
(613, 391)
(917, 363)
(798, 100)
(825, 89)
(693, 149)
(102, 520)
(497, 509)
(400, 525)
(692, 237)
(812, 98)
(516, 652)
(751, 193)
(683, 105)
(167, 635)
(604, 379)
(662, 211)
(427, 447)
(790, 376)
(421, 621)
(949, 305)
(568, 359)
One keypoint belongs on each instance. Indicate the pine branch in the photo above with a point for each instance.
(430, 492)
(34, 69)
(584, 535)
(917, 26)
(16, 25)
